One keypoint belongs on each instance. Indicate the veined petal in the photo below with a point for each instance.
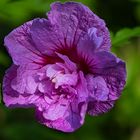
(96, 108)
(112, 69)
(69, 64)
(21, 47)
(45, 36)
(111, 74)
(73, 21)
(67, 23)
(63, 67)
(98, 101)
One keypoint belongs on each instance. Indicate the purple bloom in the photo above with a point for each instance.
(63, 67)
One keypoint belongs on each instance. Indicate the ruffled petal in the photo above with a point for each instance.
(90, 43)
(45, 86)
(98, 101)
(24, 81)
(106, 82)
(97, 88)
(73, 21)
(56, 110)
(66, 117)
(63, 67)
(67, 23)
(21, 47)
(112, 69)
(66, 114)
(11, 97)
(65, 79)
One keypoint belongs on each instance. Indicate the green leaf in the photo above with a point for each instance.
(124, 35)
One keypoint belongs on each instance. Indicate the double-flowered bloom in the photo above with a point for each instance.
(63, 67)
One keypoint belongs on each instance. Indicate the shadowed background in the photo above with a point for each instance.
(123, 121)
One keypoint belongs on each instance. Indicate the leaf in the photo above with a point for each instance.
(124, 35)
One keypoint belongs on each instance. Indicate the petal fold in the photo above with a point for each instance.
(65, 117)
(11, 97)
(106, 82)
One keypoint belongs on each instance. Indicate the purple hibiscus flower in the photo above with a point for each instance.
(63, 67)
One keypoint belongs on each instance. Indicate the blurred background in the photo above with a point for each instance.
(123, 121)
